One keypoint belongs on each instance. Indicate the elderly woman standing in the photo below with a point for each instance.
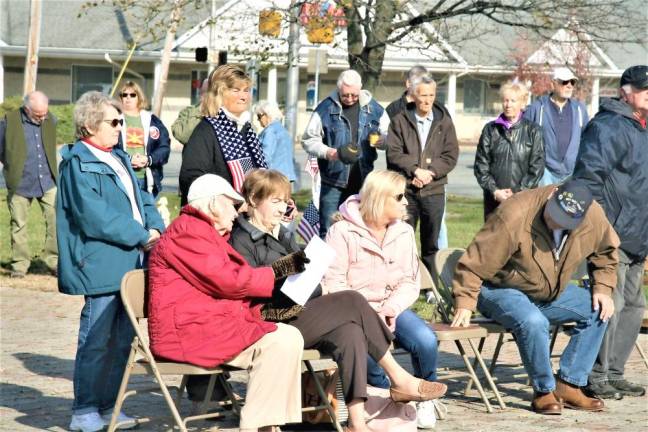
(510, 155)
(223, 143)
(104, 227)
(202, 307)
(275, 139)
(144, 137)
(376, 256)
(341, 324)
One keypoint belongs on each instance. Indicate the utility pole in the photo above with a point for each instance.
(31, 61)
(212, 56)
(166, 58)
(292, 80)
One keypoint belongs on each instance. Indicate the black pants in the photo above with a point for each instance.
(429, 209)
(490, 204)
(342, 325)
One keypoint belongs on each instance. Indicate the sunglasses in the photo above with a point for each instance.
(399, 197)
(132, 95)
(115, 122)
(564, 83)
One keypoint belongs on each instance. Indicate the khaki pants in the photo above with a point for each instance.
(19, 214)
(274, 386)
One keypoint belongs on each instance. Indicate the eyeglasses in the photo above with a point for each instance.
(565, 82)
(350, 95)
(115, 122)
(399, 197)
(132, 95)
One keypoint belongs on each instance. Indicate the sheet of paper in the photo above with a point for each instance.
(299, 287)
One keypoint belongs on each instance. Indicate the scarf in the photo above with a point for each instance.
(502, 120)
(241, 153)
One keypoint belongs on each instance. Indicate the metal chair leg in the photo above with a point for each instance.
(470, 380)
(323, 397)
(472, 373)
(122, 389)
(641, 352)
(489, 378)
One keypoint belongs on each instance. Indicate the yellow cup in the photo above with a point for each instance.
(373, 139)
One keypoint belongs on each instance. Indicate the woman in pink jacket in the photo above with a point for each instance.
(377, 256)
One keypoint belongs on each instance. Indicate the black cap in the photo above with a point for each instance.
(636, 76)
(568, 205)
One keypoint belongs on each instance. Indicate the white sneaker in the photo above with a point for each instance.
(130, 421)
(440, 409)
(425, 415)
(90, 422)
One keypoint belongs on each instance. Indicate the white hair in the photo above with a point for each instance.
(350, 78)
(627, 89)
(424, 79)
(270, 109)
(204, 204)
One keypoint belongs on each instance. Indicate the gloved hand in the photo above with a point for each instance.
(290, 264)
(348, 154)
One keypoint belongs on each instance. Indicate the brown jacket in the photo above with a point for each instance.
(514, 249)
(439, 154)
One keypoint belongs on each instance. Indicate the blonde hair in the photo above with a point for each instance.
(261, 184)
(378, 187)
(222, 78)
(142, 101)
(520, 90)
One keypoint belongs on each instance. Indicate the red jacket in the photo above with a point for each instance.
(200, 290)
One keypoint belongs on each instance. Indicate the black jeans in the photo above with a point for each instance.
(429, 209)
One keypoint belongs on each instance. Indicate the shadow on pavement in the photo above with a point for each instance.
(39, 411)
(45, 365)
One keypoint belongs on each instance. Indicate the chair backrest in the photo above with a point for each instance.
(445, 263)
(134, 295)
(427, 284)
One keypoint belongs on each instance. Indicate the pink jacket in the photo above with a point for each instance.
(386, 275)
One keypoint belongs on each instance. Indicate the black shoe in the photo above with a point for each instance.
(628, 388)
(603, 390)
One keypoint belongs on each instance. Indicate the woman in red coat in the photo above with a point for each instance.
(200, 312)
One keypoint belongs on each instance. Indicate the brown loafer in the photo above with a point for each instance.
(573, 397)
(546, 404)
(427, 390)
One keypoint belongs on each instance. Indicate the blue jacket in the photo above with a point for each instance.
(539, 112)
(613, 161)
(98, 238)
(328, 128)
(158, 147)
(278, 149)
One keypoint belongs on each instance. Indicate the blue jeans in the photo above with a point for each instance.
(529, 321)
(330, 200)
(416, 337)
(105, 337)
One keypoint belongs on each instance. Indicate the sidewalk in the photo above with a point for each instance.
(39, 327)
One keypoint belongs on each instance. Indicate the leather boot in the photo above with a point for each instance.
(573, 397)
(546, 403)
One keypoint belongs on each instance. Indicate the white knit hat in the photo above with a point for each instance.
(209, 185)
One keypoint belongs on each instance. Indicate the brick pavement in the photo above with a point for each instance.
(38, 338)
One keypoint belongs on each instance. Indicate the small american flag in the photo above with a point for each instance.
(311, 167)
(309, 223)
(238, 168)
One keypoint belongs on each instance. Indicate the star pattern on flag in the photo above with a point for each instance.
(309, 224)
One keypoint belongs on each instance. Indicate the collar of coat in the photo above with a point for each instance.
(255, 233)
(189, 210)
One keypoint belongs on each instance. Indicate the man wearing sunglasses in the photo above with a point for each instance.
(562, 118)
(28, 156)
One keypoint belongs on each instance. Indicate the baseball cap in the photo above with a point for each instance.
(568, 205)
(209, 185)
(636, 76)
(564, 74)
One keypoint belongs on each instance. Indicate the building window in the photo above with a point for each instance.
(87, 78)
(197, 77)
(473, 96)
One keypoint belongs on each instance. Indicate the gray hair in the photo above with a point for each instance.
(89, 112)
(415, 72)
(425, 79)
(31, 96)
(204, 204)
(627, 88)
(350, 78)
(270, 109)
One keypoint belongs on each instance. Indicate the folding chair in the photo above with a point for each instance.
(141, 361)
(644, 330)
(308, 357)
(457, 335)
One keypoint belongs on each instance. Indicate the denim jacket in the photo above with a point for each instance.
(328, 128)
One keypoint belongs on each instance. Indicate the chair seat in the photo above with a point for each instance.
(446, 333)
(172, 368)
(312, 354)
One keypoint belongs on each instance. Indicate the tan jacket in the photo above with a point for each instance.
(515, 249)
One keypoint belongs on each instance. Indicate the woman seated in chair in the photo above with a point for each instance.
(377, 257)
(104, 225)
(342, 324)
(201, 310)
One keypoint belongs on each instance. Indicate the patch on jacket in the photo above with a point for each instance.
(154, 132)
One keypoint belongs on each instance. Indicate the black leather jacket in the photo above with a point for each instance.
(512, 158)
